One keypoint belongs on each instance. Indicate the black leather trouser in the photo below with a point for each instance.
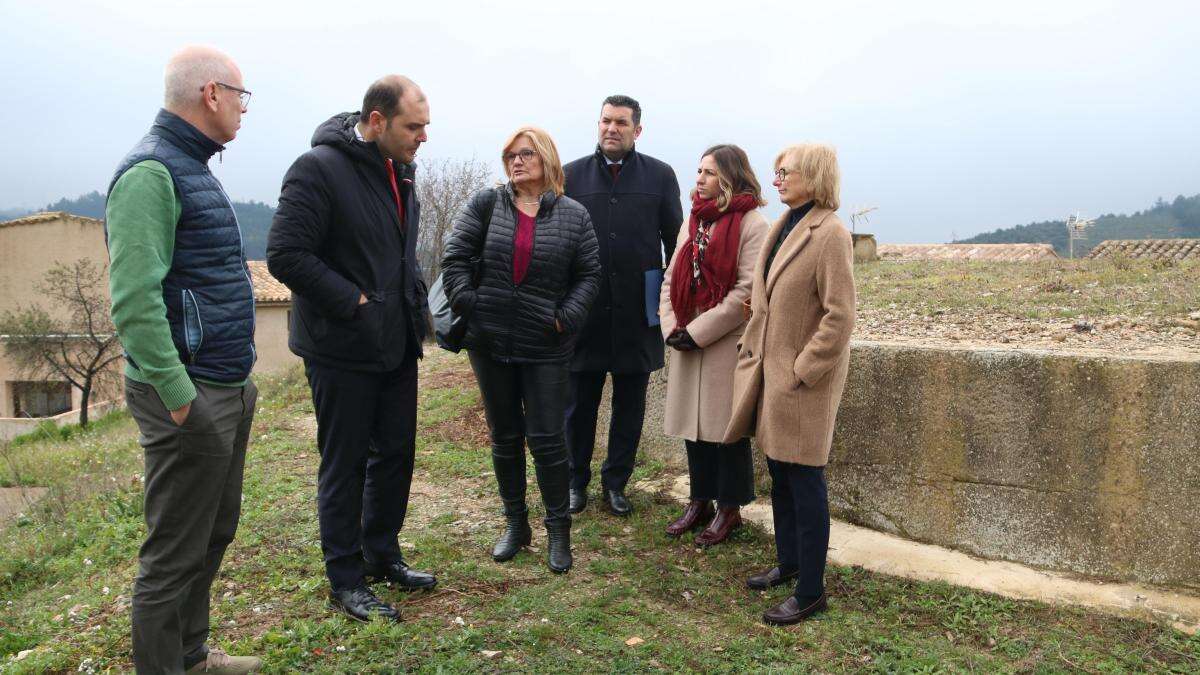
(525, 402)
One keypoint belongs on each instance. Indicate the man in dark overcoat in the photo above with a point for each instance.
(634, 203)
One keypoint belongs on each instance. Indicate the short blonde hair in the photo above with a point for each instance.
(552, 171)
(817, 166)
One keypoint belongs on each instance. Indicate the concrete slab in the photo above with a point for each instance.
(887, 554)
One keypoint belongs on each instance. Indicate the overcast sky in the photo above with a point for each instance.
(951, 117)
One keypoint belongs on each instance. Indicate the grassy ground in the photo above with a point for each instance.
(1034, 290)
(66, 569)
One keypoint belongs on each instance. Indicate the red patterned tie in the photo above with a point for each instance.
(614, 169)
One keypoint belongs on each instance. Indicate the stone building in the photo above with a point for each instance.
(30, 246)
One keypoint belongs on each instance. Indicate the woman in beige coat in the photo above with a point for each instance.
(701, 310)
(791, 368)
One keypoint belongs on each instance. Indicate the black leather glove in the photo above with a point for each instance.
(682, 341)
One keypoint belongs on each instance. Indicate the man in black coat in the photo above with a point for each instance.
(344, 241)
(634, 203)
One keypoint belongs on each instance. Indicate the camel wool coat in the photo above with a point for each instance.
(793, 357)
(700, 382)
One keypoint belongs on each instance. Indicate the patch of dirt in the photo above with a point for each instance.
(449, 378)
(469, 428)
(14, 500)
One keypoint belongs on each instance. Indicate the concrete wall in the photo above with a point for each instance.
(270, 338)
(27, 252)
(1071, 462)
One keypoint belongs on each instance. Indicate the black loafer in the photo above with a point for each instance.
(578, 500)
(770, 579)
(399, 573)
(794, 610)
(361, 604)
(617, 503)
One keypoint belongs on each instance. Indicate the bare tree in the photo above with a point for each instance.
(444, 186)
(83, 348)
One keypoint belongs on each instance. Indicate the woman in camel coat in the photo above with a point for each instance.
(791, 368)
(701, 308)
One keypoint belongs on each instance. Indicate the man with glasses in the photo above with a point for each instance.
(344, 241)
(183, 307)
(634, 203)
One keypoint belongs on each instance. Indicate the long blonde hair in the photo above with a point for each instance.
(552, 171)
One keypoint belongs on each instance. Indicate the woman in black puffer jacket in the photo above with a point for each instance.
(541, 271)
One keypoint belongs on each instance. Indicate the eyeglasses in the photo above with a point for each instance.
(783, 172)
(526, 155)
(243, 95)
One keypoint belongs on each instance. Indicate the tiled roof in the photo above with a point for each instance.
(266, 287)
(1149, 249)
(47, 217)
(993, 252)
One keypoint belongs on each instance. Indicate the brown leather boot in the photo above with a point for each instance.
(696, 513)
(723, 524)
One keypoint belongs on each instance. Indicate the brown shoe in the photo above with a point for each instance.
(770, 579)
(695, 513)
(794, 610)
(723, 524)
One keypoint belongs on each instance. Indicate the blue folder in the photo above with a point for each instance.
(654, 282)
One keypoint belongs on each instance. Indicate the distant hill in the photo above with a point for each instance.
(1165, 220)
(254, 217)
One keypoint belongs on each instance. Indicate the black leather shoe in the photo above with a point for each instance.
(617, 503)
(794, 610)
(399, 573)
(361, 604)
(578, 500)
(770, 579)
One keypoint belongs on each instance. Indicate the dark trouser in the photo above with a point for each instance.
(525, 401)
(192, 504)
(367, 436)
(800, 505)
(721, 472)
(624, 432)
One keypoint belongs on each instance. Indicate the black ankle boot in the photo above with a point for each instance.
(516, 534)
(558, 534)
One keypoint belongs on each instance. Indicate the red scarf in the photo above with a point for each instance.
(718, 266)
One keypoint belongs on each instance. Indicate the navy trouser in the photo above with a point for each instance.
(367, 436)
(800, 504)
(624, 432)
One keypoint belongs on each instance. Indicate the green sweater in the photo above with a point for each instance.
(142, 212)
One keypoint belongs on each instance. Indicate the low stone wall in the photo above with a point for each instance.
(1079, 463)
(11, 427)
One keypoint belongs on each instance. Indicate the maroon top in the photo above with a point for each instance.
(522, 246)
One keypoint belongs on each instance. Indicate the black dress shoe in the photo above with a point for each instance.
(578, 500)
(399, 573)
(770, 579)
(794, 610)
(361, 604)
(617, 503)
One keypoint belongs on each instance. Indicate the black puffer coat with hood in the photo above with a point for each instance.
(511, 322)
(337, 234)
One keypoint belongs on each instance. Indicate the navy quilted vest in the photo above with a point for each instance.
(208, 293)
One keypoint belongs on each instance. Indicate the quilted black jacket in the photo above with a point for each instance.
(515, 322)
